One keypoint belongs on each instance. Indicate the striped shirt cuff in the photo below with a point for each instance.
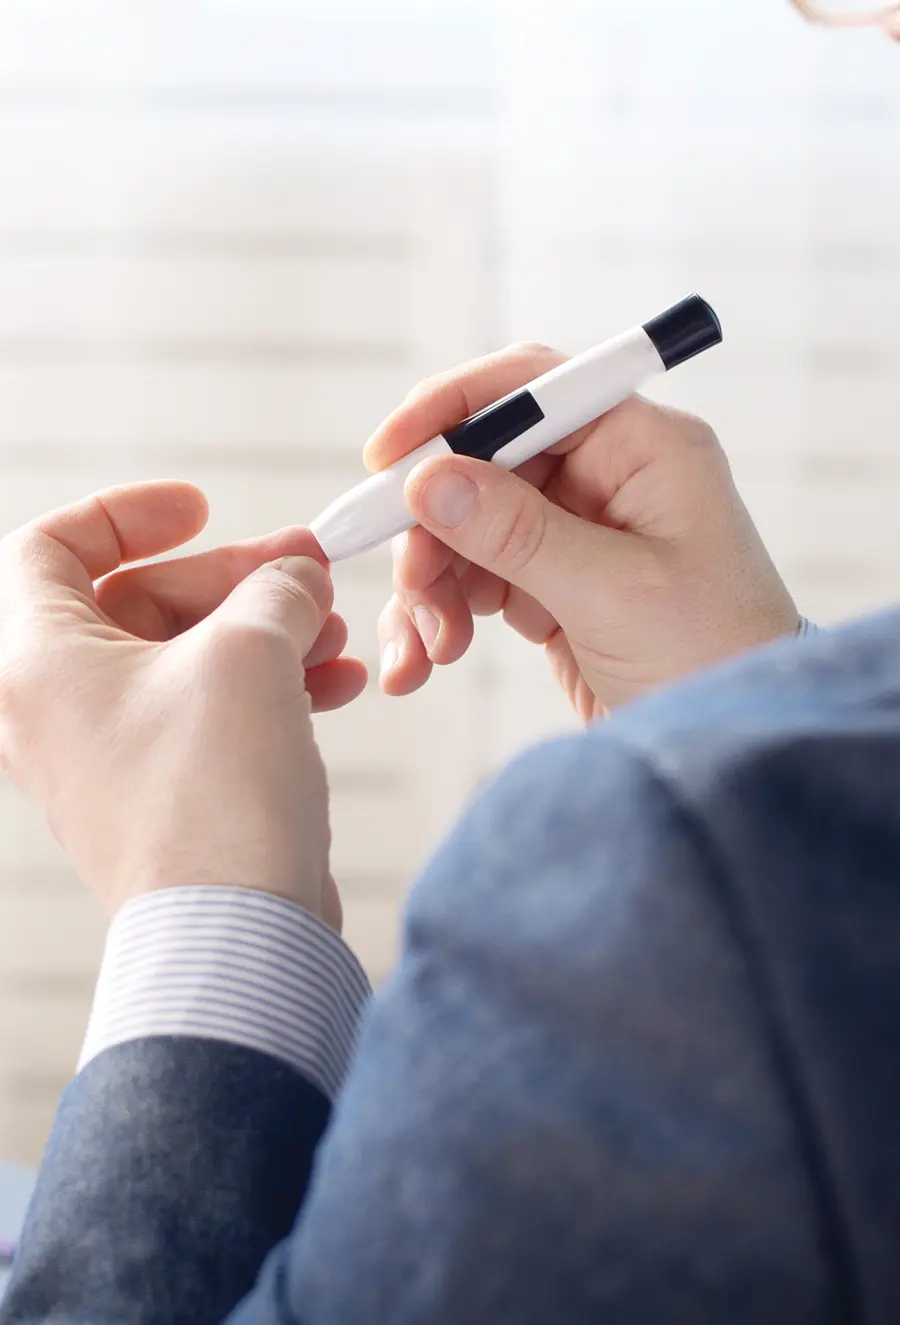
(806, 628)
(230, 964)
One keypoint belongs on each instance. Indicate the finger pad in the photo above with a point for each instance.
(336, 683)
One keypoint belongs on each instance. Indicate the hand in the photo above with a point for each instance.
(625, 550)
(161, 717)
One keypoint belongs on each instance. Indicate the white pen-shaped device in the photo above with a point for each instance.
(524, 423)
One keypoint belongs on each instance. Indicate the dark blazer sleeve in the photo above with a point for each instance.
(174, 1167)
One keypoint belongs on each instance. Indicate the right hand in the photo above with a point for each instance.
(625, 549)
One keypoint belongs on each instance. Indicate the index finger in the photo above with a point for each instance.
(165, 598)
(440, 403)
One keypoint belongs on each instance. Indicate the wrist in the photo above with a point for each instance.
(233, 965)
(193, 862)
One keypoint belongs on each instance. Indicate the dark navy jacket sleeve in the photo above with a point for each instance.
(174, 1166)
(638, 1063)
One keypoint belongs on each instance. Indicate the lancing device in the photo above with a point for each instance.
(525, 422)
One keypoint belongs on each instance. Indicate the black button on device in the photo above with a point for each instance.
(687, 328)
(483, 434)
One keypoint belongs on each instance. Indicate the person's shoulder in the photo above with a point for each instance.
(795, 701)
(828, 685)
(855, 664)
(739, 753)
(836, 677)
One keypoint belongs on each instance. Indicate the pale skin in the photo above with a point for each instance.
(160, 714)
(173, 700)
(625, 550)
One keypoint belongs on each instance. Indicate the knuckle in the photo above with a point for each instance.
(700, 434)
(689, 429)
(515, 536)
(694, 456)
(707, 453)
(425, 387)
(533, 350)
(275, 617)
(241, 646)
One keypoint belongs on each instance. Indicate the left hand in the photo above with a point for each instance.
(161, 715)
(624, 549)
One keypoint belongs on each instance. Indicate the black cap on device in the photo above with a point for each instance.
(687, 328)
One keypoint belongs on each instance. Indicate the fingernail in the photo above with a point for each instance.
(447, 499)
(428, 627)
(390, 656)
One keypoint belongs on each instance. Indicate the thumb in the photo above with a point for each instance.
(500, 522)
(291, 596)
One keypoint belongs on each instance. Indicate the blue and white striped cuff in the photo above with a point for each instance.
(230, 964)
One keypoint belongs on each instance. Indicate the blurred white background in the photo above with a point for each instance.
(233, 234)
